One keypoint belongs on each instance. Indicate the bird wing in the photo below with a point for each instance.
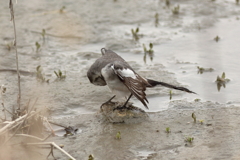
(134, 82)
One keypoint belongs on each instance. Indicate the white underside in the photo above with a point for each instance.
(114, 83)
(118, 88)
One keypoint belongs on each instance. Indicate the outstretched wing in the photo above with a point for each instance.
(134, 82)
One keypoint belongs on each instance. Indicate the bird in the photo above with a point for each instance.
(112, 70)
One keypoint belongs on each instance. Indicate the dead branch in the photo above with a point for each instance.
(52, 144)
(15, 46)
(11, 123)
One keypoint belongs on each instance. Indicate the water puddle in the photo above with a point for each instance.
(145, 154)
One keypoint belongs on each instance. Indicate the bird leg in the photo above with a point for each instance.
(123, 106)
(107, 101)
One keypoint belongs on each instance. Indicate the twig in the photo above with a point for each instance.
(34, 137)
(74, 37)
(51, 153)
(57, 124)
(30, 136)
(52, 144)
(19, 126)
(12, 123)
(49, 125)
(15, 46)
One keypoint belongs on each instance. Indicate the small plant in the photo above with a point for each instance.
(197, 100)
(167, 2)
(38, 46)
(221, 81)
(60, 75)
(148, 52)
(62, 9)
(237, 1)
(189, 139)
(194, 117)
(168, 130)
(201, 70)
(90, 157)
(217, 38)
(9, 45)
(176, 9)
(3, 89)
(40, 75)
(170, 94)
(201, 121)
(135, 34)
(156, 20)
(43, 34)
(118, 135)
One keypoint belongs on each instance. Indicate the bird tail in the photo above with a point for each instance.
(154, 83)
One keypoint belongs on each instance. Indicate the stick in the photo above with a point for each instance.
(15, 46)
(34, 137)
(12, 123)
(57, 124)
(49, 125)
(30, 136)
(52, 144)
(22, 119)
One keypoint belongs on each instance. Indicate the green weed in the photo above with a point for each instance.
(118, 135)
(221, 81)
(168, 130)
(148, 52)
(135, 34)
(60, 75)
(176, 10)
(194, 117)
(38, 46)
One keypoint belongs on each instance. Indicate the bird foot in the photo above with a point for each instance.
(121, 108)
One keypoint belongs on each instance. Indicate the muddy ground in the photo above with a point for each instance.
(74, 37)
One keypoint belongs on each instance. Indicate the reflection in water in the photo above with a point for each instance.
(148, 52)
(201, 70)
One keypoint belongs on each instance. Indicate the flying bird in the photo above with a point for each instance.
(112, 70)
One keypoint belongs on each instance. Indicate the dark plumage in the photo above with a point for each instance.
(114, 71)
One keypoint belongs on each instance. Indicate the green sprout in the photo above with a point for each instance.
(176, 9)
(60, 75)
(156, 19)
(217, 38)
(201, 70)
(197, 100)
(90, 157)
(201, 121)
(168, 130)
(170, 94)
(167, 2)
(135, 34)
(43, 34)
(40, 75)
(38, 46)
(62, 9)
(118, 135)
(221, 81)
(189, 139)
(194, 117)
(3, 89)
(9, 45)
(148, 52)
